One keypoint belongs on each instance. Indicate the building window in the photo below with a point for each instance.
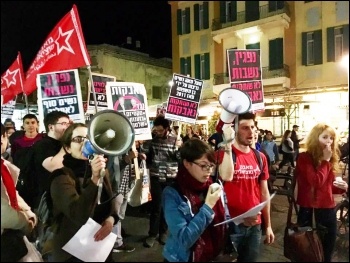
(202, 75)
(202, 66)
(157, 92)
(276, 54)
(275, 5)
(183, 21)
(312, 48)
(185, 66)
(228, 11)
(201, 16)
(253, 46)
(337, 42)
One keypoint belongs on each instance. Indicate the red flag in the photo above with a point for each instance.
(12, 80)
(63, 49)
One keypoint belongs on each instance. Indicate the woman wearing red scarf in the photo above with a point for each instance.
(192, 206)
(15, 213)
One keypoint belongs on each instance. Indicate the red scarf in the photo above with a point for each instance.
(9, 185)
(212, 241)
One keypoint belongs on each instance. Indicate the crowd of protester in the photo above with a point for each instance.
(196, 181)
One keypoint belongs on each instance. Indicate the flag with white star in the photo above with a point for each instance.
(12, 80)
(63, 49)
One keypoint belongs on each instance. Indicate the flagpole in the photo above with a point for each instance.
(92, 87)
(26, 100)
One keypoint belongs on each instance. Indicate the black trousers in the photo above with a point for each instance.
(326, 221)
(157, 224)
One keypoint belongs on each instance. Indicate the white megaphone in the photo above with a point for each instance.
(110, 133)
(234, 102)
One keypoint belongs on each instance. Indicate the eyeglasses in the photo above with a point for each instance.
(205, 167)
(78, 139)
(63, 123)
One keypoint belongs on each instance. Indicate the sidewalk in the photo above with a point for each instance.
(136, 227)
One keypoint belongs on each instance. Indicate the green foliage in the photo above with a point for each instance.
(212, 123)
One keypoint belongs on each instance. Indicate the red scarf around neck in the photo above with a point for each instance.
(9, 185)
(212, 241)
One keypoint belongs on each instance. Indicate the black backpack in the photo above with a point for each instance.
(280, 148)
(45, 216)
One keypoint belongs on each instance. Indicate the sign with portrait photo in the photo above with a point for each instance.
(130, 99)
(7, 110)
(100, 81)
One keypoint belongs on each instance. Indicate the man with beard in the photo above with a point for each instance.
(162, 160)
(247, 189)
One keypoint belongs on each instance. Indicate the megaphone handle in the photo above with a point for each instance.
(100, 185)
(136, 162)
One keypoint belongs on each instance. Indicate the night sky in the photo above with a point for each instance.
(26, 24)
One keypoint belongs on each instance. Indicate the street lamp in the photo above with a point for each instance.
(170, 83)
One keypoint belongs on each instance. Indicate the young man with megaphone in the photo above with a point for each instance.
(248, 187)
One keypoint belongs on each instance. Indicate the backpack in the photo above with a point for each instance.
(46, 218)
(280, 151)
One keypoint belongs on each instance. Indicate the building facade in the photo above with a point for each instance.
(130, 66)
(301, 45)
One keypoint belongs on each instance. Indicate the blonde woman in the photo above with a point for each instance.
(189, 134)
(315, 174)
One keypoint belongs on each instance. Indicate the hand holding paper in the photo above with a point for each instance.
(250, 213)
(83, 245)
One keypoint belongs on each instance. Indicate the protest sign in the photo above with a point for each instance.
(130, 99)
(100, 82)
(7, 110)
(245, 74)
(161, 109)
(60, 91)
(184, 98)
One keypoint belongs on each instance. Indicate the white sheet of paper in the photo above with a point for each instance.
(251, 212)
(83, 246)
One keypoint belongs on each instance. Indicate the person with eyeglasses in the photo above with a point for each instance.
(192, 206)
(44, 159)
(73, 194)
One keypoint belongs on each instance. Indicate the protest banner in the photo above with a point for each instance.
(130, 99)
(161, 109)
(7, 110)
(245, 74)
(63, 49)
(60, 91)
(100, 81)
(184, 98)
(12, 80)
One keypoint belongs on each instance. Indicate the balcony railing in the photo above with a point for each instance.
(241, 17)
(222, 78)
